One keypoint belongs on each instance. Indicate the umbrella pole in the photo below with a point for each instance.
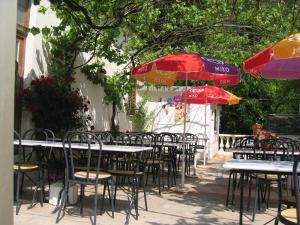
(204, 153)
(184, 138)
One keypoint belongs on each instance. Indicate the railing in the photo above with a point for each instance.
(227, 141)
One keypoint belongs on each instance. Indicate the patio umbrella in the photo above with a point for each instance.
(280, 61)
(207, 95)
(186, 66)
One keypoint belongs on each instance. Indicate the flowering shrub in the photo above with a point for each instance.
(55, 106)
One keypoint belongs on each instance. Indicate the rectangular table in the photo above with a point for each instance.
(246, 153)
(108, 148)
(83, 146)
(257, 166)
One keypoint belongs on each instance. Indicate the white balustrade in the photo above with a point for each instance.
(227, 141)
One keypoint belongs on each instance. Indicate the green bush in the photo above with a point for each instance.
(141, 120)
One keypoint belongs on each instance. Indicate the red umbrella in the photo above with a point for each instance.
(207, 94)
(186, 66)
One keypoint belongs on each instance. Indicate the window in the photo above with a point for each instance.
(23, 12)
(22, 24)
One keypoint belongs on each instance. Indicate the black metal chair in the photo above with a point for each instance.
(245, 144)
(154, 163)
(90, 172)
(132, 167)
(27, 164)
(293, 149)
(270, 148)
(291, 216)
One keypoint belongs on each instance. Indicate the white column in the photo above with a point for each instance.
(221, 149)
(8, 11)
(227, 142)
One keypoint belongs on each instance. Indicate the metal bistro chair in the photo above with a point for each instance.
(168, 155)
(289, 199)
(132, 167)
(245, 144)
(291, 216)
(154, 163)
(270, 148)
(90, 173)
(26, 165)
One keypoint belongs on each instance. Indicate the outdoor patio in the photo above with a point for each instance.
(203, 202)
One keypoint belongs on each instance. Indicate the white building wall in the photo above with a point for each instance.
(36, 54)
(197, 125)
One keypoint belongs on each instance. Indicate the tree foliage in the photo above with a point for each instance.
(128, 32)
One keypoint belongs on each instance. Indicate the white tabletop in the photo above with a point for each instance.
(260, 165)
(279, 152)
(110, 148)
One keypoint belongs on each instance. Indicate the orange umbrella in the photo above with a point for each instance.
(279, 61)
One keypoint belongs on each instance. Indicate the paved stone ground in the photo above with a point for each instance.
(202, 202)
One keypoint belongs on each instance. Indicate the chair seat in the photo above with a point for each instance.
(155, 161)
(92, 175)
(25, 166)
(288, 216)
(125, 172)
(271, 177)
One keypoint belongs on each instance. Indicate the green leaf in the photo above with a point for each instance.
(46, 31)
(35, 30)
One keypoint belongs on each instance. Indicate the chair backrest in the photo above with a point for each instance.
(123, 139)
(18, 147)
(36, 134)
(89, 149)
(246, 143)
(138, 160)
(273, 149)
(39, 134)
(105, 136)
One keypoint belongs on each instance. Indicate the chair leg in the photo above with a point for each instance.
(95, 204)
(228, 188)
(269, 193)
(249, 195)
(158, 177)
(62, 203)
(168, 175)
(145, 197)
(22, 182)
(103, 196)
(115, 193)
(41, 183)
(81, 198)
(111, 199)
(234, 184)
(147, 174)
(255, 199)
(136, 199)
(33, 198)
(18, 205)
(174, 171)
